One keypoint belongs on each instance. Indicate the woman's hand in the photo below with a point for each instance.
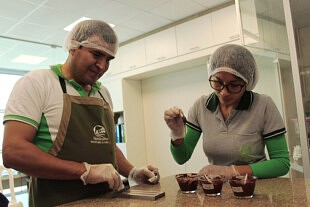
(227, 171)
(174, 119)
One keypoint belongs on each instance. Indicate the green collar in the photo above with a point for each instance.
(78, 87)
(244, 104)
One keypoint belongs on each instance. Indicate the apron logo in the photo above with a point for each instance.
(100, 135)
(246, 153)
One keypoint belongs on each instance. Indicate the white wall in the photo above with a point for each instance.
(269, 82)
(159, 93)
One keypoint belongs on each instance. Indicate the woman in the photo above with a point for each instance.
(236, 123)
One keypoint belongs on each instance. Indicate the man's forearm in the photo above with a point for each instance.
(124, 166)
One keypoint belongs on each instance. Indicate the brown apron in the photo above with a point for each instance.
(86, 134)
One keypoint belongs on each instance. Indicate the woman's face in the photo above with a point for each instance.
(231, 92)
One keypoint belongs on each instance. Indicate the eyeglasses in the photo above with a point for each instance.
(231, 87)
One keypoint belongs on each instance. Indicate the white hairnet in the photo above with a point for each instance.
(93, 34)
(237, 60)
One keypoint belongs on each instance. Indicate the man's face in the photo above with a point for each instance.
(88, 65)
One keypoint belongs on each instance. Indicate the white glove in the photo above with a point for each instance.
(175, 119)
(227, 171)
(102, 173)
(147, 174)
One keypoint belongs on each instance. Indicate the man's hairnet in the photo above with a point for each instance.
(93, 34)
(237, 60)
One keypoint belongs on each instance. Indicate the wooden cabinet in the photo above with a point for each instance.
(133, 55)
(204, 32)
(128, 57)
(225, 25)
(194, 35)
(212, 29)
(161, 46)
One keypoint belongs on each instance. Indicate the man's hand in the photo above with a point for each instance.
(102, 173)
(148, 174)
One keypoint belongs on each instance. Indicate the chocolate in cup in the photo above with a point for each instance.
(188, 182)
(212, 184)
(243, 186)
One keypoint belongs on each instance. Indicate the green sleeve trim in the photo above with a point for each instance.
(43, 138)
(183, 152)
(20, 118)
(279, 163)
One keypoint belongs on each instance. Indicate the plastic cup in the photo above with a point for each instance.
(243, 186)
(188, 182)
(212, 184)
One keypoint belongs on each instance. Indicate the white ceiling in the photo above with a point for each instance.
(43, 21)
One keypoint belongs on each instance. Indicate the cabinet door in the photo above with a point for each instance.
(133, 55)
(304, 33)
(194, 35)
(114, 85)
(225, 25)
(115, 64)
(281, 38)
(249, 22)
(161, 46)
(274, 36)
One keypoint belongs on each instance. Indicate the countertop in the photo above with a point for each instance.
(268, 192)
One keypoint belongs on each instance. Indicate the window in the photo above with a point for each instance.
(7, 82)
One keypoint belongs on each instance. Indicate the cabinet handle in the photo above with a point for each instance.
(132, 67)
(161, 58)
(194, 48)
(234, 37)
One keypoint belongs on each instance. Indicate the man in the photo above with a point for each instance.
(59, 126)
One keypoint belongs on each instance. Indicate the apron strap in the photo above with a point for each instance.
(102, 96)
(64, 89)
(63, 84)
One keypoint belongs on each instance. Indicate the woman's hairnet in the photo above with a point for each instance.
(236, 60)
(93, 34)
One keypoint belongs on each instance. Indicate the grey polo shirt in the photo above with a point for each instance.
(239, 139)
